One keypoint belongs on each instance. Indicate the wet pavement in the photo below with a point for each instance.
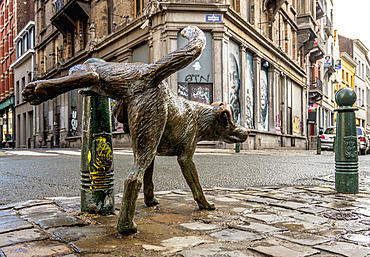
(254, 221)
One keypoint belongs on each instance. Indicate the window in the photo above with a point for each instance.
(139, 7)
(19, 48)
(42, 15)
(302, 6)
(55, 56)
(17, 90)
(25, 43)
(43, 60)
(248, 10)
(32, 37)
(110, 16)
(235, 4)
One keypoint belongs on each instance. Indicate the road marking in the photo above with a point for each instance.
(123, 152)
(212, 154)
(64, 152)
(30, 153)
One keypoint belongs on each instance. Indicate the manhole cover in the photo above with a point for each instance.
(341, 215)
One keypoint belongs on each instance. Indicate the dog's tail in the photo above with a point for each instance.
(179, 58)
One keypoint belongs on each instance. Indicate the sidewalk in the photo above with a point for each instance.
(255, 221)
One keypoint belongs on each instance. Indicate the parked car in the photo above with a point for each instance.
(327, 139)
(363, 141)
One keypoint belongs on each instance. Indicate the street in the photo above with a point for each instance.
(57, 173)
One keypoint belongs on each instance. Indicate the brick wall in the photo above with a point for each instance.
(25, 13)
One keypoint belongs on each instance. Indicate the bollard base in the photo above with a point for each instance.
(98, 201)
(346, 182)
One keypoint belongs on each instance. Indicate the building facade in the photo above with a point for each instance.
(355, 76)
(321, 97)
(258, 57)
(23, 68)
(14, 15)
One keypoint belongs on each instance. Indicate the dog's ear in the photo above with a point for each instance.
(224, 113)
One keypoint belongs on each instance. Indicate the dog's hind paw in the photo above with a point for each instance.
(154, 201)
(208, 206)
(127, 230)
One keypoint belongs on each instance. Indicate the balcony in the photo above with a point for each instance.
(328, 27)
(315, 91)
(66, 13)
(315, 47)
(320, 12)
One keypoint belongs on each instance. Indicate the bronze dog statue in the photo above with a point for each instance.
(158, 121)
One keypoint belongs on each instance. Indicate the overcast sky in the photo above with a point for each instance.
(352, 19)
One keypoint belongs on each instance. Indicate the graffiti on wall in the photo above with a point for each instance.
(296, 125)
(74, 122)
(249, 91)
(264, 100)
(234, 79)
(201, 93)
(277, 123)
(196, 78)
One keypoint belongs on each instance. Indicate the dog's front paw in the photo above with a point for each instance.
(34, 92)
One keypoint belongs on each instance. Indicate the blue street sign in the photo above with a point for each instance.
(213, 17)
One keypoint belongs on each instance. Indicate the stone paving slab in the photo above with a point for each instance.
(13, 226)
(272, 248)
(36, 249)
(345, 249)
(21, 236)
(261, 221)
(259, 228)
(235, 235)
(216, 251)
(302, 238)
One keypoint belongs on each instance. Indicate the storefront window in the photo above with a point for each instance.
(10, 125)
(4, 132)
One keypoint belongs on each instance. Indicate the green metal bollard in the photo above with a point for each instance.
(319, 141)
(346, 155)
(52, 142)
(97, 194)
(237, 147)
(318, 145)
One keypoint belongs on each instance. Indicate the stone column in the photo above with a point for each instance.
(283, 104)
(171, 43)
(218, 85)
(242, 84)
(257, 94)
(274, 99)
(225, 64)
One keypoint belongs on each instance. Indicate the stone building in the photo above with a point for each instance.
(321, 74)
(23, 68)
(257, 58)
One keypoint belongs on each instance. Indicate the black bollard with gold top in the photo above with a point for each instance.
(346, 152)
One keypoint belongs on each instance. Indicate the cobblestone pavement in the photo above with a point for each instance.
(255, 221)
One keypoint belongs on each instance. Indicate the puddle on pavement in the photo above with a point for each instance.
(340, 215)
(170, 218)
(361, 239)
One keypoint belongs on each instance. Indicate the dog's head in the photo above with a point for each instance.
(226, 128)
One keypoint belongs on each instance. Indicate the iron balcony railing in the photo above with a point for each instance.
(58, 5)
(316, 85)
